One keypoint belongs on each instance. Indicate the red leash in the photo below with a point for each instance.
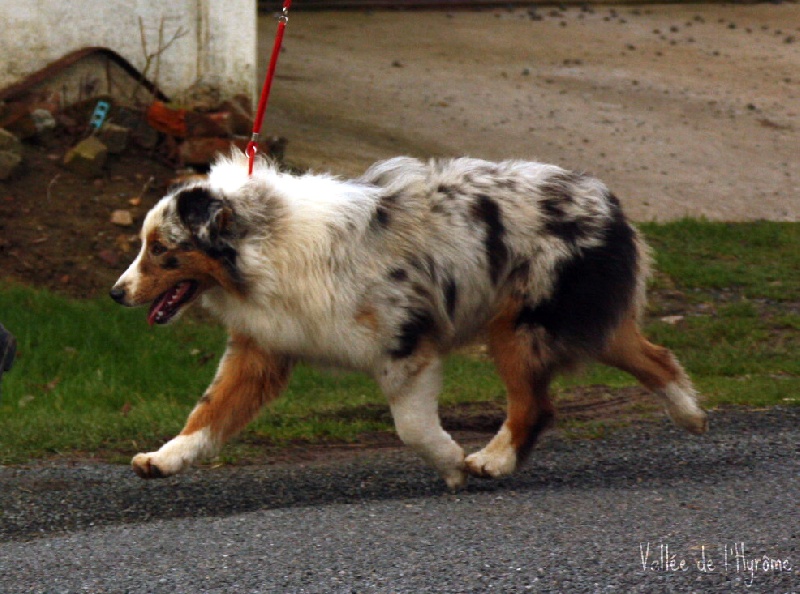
(252, 146)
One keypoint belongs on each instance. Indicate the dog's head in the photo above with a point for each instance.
(188, 246)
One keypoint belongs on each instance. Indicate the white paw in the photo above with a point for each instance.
(174, 456)
(681, 401)
(498, 458)
(456, 479)
(695, 422)
(146, 466)
(492, 462)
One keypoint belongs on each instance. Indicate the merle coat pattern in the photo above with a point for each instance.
(387, 274)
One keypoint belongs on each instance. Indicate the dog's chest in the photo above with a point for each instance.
(326, 336)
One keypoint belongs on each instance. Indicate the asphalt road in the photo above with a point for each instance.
(647, 509)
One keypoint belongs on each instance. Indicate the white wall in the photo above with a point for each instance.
(218, 48)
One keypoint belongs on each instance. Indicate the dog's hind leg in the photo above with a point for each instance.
(659, 371)
(247, 379)
(526, 374)
(412, 386)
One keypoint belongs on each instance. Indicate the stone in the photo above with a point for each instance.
(87, 158)
(9, 164)
(10, 154)
(9, 142)
(114, 137)
(43, 120)
(122, 218)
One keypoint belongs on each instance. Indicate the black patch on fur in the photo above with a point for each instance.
(433, 272)
(568, 231)
(556, 194)
(545, 421)
(195, 206)
(418, 323)
(200, 210)
(487, 211)
(558, 186)
(383, 212)
(426, 266)
(450, 296)
(398, 274)
(171, 263)
(593, 290)
(508, 184)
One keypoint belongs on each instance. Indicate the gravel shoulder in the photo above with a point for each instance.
(573, 520)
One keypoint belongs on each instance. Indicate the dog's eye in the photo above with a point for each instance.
(157, 248)
(186, 246)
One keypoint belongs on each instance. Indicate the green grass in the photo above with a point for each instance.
(754, 260)
(93, 378)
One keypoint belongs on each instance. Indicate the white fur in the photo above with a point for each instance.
(681, 402)
(498, 458)
(413, 400)
(178, 453)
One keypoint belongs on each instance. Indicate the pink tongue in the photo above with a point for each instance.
(174, 295)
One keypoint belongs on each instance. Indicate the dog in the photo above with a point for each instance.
(388, 273)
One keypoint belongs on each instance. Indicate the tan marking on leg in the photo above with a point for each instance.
(653, 365)
(659, 371)
(247, 379)
(530, 411)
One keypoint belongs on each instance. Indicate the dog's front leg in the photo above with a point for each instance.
(247, 378)
(412, 386)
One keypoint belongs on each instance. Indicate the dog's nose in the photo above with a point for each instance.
(117, 294)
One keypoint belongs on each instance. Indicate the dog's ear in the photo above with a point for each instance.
(206, 216)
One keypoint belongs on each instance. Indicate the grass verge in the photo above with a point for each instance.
(92, 378)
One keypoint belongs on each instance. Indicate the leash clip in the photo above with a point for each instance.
(250, 151)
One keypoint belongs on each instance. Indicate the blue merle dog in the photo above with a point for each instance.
(390, 272)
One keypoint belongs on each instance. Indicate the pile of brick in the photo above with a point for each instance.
(181, 136)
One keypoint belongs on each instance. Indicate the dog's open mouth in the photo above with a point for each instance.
(169, 303)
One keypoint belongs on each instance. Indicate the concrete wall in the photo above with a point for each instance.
(217, 46)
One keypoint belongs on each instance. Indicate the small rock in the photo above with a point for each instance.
(10, 154)
(43, 120)
(114, 137)
(122, 218)
(87, 158)
(672, 320)
(9, 141)
(9, 164)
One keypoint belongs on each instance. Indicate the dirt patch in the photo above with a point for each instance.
(55, 229)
